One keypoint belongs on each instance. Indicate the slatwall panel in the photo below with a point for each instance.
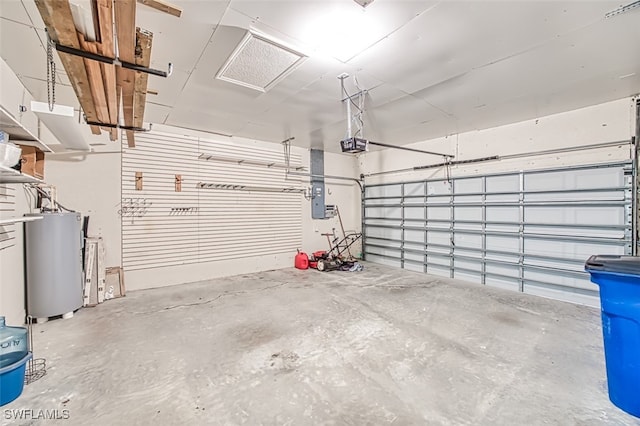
(162, 227)
(7, 209)
(528, 231)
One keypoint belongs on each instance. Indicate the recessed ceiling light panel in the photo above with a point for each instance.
(259, 62)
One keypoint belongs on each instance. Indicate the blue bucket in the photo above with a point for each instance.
(12, 380)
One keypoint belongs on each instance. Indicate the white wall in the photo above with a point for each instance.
(90, 184)
(345, 194)
(608, 122)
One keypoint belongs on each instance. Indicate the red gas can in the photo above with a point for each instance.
(302, 260)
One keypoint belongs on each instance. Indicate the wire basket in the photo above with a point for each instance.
(36, 367)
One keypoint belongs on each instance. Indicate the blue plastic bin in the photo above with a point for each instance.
(619, 280)
(12, 380)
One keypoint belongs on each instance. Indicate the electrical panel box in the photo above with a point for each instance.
(317, 184)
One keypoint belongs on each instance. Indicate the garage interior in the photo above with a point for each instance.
(453, 164)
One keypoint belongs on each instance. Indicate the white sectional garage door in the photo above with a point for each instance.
(527, 231)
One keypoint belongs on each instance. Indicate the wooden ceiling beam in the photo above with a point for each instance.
(57, 17)
(107, 48)
(144, 40)
(125, 14)
(94, 72)
(162, 6)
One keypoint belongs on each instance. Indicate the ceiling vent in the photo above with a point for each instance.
(364, 3)
(259, 63)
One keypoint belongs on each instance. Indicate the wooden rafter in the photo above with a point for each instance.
(106, 48)
(163, 7)
(96, 82)
(57, 17)
(143, 57)
(101, 87)
(125, 13)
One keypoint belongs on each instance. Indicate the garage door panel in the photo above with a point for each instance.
(503, 243)
(528, 231)
(383, 242)
(504, 183)
(583, 297)
(467, 199)
(560, 278)
(437, 270)
(387, 191)
(511, 271)
(557, 263)
(383, 222)
(575, 231)
(417, 266)
(473, 241)
(503, 283)
(414, 236)
(438, 187)
(468, 186)
(473, 277)
(414, 257)
(373, 231)
(468, 213)
(467, 265)
(438, 259)
(414, 213)
(501, 228)
(503, 214)
(442, 238)
(384, 251)
(414, 189)
(438, 213)
(468, 253)
(587, 178)
(578, 215)
(497, 258)
(569, 249)
(594, 195)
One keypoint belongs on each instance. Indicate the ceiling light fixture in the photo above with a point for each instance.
(343, 32)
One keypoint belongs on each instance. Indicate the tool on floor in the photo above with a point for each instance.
(339, 253)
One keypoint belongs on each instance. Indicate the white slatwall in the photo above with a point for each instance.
(7, 209)
(162, 227)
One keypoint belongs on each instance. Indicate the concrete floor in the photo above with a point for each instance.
(303, 347)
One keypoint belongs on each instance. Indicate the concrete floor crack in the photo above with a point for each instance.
(206, 302)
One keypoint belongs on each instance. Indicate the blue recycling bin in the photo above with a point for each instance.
(619, 280)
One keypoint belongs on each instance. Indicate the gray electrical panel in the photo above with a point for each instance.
(317, 184)
(53, 247)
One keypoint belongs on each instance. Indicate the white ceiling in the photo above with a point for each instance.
(431, 68)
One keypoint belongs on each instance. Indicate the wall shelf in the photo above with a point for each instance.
(240, 161)
(12, 220)
(17, 133)
(9, 175)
